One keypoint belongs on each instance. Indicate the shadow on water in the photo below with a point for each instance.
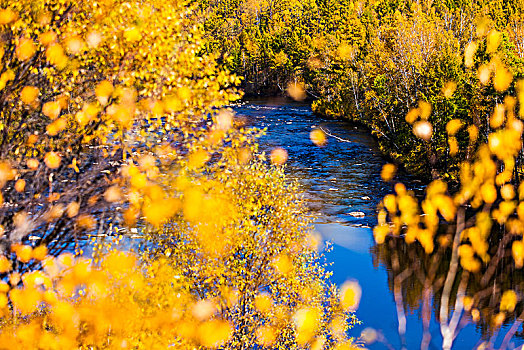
(342, 185)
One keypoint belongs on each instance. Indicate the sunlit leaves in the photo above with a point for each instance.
(350, 294)
(40, 252)
(23, 252)
(508, 301)
(160, 210)
(52, 160)
(296, 91)
(214, 333)
(388, 172)
(51, 109)
(224, 120)
(453, 126)
(74, 44)
(47, 38)
(56, 126)
(306, 322)
(502, 79)
(29, 94)
(517, 250)
(266, 336)
(67, 276)
(493, 41)
(453, 146)
(32, 164)
(425, 109)
(412, 115)
(468, 261)
(93, 39)
(469, 53)
(25, 300)
(7, 173)
(6, 77)
(55, 55)
(423, 130)
(263, 303)
(484, 74)
(198, 159)
(113, 194)
(279, 156)
(283, 264)
(132, 34)
(103, 92)
(449, 88)
(5, 264)
(7, 16)
(318, 137)
(123, 114)
(25, 49)
(116, 136)
(86, 222)
(486, 207)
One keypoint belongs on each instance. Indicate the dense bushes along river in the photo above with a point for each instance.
(374, 62)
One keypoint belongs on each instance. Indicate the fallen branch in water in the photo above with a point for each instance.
(334, 136)
(345, 140)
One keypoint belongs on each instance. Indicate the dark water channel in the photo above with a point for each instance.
(339, 180)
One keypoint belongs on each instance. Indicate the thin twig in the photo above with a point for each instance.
(334, 136)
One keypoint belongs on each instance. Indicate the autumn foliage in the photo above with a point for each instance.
(468, 241)
(376, 62)
(113, 131)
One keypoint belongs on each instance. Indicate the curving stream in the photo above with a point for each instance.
(340, 179)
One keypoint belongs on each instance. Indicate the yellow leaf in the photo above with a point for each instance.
(502, 79)
(55, 127)
(453, 126)
(318, 137)
(306, 322)
(214, 333)
(5, 264)
(388, 172)
(25, 49)
(103, 91)
(493, 41)
(508, 301)
(55, 55)
(51, 109)
(469, 53)
(350, 293)
(29, 94)
(7, 16)
(132, 34)
(423, 130)
(47, 38)
(263, 303)
(52, 160)
(297, 91)
(449, 88)
(279, 156)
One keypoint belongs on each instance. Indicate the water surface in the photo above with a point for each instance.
(342, 184)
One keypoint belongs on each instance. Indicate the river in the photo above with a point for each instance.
(339, 179)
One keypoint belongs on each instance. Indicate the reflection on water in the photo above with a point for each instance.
(419, 278)
(342, 179)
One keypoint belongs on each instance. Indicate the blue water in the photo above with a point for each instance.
(338, 179)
